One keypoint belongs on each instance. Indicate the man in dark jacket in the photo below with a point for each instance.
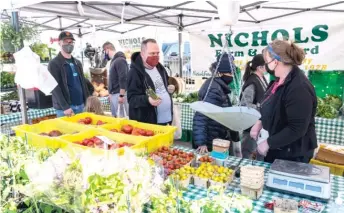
(117, 79)
(146, 77)
(205, 130)
(70, 95)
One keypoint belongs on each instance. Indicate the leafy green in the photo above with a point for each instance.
(26, 33)
(334, 101)
(329, 107)
(40, 49)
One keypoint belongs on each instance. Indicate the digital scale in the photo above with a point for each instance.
(301, 178)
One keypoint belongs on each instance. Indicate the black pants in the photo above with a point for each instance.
(272, 155)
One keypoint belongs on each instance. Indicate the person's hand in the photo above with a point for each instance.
(263, 148)
(154, 102)
(109, 97)
(256, 129)
(120, 100)
(202, 149)
(68, 112)
(171, 88)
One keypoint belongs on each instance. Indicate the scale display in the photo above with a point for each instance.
(300, 178)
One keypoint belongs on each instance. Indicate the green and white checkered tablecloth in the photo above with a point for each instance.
(14, 119)
(195, 192)
(329, 131)
(105, 103)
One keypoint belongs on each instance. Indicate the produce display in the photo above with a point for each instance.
(96, 142)
(214, 172)
(172, 201)
(92, 184)
(206, 158)
(89, 121)
(53, 133)
(42, 180)
(173, 159)
(329, 107)
(182, 98)
(100, 90)
(130, 130)
(14, 155)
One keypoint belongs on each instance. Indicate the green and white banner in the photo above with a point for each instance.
(322, 42)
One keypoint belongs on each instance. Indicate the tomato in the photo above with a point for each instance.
(127, 129)
(100, 122)
(88, 120)
(149, 133)
(81, 121)
(97, 141)
(142, 132)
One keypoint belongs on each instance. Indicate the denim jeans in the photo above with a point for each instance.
(114, 106)
(76, 109)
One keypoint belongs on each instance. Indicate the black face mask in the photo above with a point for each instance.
(227, 79)
(271, 72)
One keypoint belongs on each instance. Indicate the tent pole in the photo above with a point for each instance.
(60, 22)
(15, 24)
(180, 43)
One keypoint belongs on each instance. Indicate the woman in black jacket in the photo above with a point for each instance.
(288, 107)
(205, 130)
(253, 91)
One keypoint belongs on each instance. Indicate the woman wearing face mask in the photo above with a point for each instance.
(253, 91)
(288, 107)
(205, 130)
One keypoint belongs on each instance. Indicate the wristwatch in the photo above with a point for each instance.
(121, 96)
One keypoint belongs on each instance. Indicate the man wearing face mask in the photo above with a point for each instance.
(70, 95)
(117, 79)
(147, 74)
(205, 130)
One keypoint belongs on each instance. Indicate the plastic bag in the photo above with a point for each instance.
(29, 67)
(236, 118)
(125, 114)
(177, 122)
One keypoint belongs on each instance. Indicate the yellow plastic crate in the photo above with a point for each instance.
(138, 141)
(94, 117)
(334, 168)
(32, 132)
(163, 135)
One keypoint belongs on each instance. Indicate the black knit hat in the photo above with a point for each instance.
(225, 65)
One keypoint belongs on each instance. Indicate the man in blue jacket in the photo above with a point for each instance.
(205, 130)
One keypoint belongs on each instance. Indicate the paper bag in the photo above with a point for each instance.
(176, 121)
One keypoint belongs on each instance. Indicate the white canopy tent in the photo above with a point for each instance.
(85, 17)
(123, 16)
